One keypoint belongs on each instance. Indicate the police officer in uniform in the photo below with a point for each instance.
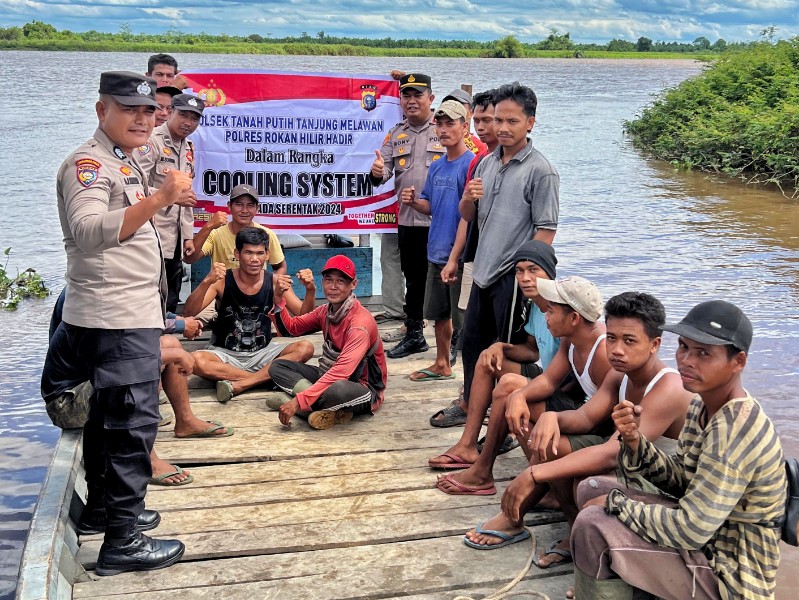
(113, 317)
(168, 148)
(407, 153)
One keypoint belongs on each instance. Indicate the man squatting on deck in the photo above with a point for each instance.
(114, 315)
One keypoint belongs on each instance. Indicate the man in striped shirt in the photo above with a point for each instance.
(714, 533)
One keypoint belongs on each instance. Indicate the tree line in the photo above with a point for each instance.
(38, 33)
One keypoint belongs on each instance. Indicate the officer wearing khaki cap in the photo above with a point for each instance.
(113, 318)
(169, 148)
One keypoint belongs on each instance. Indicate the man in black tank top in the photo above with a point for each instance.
(241, 348)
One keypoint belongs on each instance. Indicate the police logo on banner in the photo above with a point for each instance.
(88, 170)
(368, 97)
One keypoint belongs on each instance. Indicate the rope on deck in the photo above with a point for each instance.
(506, 592)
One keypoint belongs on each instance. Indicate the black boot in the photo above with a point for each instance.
(412, 343)
(137, 553)
(453, 347)
(92, 522)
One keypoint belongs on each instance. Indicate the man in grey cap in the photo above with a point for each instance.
(169, 148)
(114, 315)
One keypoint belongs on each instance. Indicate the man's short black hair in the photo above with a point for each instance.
(637, 305)
(255, 236)
(161, 59)
(520, 94)
(483, 99)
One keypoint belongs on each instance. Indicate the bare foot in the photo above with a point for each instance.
(469, 478)
(161, 467)
(498, 523)
(194, 426)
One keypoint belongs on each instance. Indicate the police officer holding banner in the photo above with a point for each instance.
(113, 317)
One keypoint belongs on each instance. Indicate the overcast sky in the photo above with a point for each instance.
(587, 20)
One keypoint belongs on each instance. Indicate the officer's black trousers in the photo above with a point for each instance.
(174, 280)
(123, 366)
(413, 260)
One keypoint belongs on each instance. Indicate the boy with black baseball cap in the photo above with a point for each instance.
(720, 538)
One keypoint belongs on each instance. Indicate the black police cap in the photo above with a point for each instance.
(188, 102)
(129, 88)
(416, 81)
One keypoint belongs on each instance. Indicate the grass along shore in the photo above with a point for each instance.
(311, 49)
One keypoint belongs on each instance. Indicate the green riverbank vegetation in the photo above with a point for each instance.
(38, 35)
(13, 290)
(740, 116)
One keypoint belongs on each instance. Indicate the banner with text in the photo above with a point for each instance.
(304, 141)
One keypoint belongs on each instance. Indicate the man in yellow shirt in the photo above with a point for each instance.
(217, 237)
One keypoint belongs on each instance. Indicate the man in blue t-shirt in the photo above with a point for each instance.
(439, 199)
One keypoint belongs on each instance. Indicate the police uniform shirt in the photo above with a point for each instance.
(408, 152)
(174, 223)
(110, 284)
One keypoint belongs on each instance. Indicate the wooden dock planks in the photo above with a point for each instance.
(351, 512)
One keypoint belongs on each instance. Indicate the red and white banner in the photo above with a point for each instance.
(305, 141)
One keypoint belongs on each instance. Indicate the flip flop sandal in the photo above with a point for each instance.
(211, 432)
(161, 479)
(510, 443)
(453, 415)
(507, 538)
(429, 375)
(457, 463)
(567, 556)
(462, 489)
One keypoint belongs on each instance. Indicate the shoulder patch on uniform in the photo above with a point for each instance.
(125, 170)
(388, 137)
(144, 150)
(88, 170)
(119, 154)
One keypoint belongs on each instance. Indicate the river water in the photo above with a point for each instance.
(627, 222)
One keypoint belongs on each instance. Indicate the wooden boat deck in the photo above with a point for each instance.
(351, 512)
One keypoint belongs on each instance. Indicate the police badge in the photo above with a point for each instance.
(368, 97)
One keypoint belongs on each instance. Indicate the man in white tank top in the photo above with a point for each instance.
(574, 308)
(563, 446)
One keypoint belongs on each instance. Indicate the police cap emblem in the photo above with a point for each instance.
(144, 88)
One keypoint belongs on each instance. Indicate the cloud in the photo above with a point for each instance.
(587, 21)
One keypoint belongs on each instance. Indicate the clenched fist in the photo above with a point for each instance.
(217, 273)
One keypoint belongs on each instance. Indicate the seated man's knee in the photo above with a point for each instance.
(277, 365)
(304, 349)
(509, 383)
(201, 361)
(169, 341)
(593, 487)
